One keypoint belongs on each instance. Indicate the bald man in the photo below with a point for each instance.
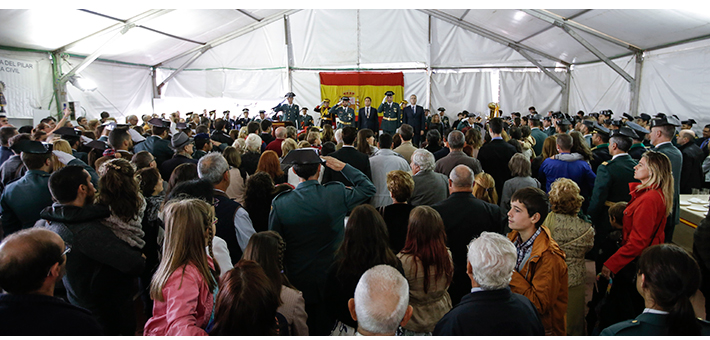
(275, 145)
(32, 261)
(691, 175)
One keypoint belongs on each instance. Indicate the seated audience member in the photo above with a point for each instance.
(32, 262)
(382, 162)
(667, 278)
(23, 199)
(183, 285)
(349, 155)
(144, 159)
(575, 237)
(428, 268)
(396, 215)
(233, 223)
(246, 303)
(366, 142)
(456, 156)
(364, 246)
(267, 249)
(396, 140)
(491, 308)
(429, 187)
(182, 145)
(275, 145)
(546, 285)
(101, 267)
(269, 163)
(484, 188)
(433, 141)
(252, 154)
(183, 172)
(381, 302)
(456, 213)
(266, 135)
(519, 166)
(258, 194)
(237, 175)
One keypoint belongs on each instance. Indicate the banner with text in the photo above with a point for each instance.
(18, 87)
(358, 85)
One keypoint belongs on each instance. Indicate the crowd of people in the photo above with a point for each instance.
(411, 225)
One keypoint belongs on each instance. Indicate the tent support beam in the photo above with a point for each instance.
(428, 68)
(250, 14)
(487, 34)
(550, 27)
(564, 107)
(93, 56)
(289, 53)
(60, 87)
(233, 35)
(560, 21)
(187, 63)
(541, 68)
(598, 53)
(636, 85)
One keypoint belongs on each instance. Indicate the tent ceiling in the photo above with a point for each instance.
(40, 29)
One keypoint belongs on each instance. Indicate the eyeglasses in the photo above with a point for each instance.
(67, 250)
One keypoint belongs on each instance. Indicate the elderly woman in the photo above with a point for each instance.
(400, 185)
(429, 187)
(519, 166)
(250, 158)
(576, 237)
(237, 175)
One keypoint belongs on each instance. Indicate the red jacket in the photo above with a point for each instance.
(275, 145)
(645, 213)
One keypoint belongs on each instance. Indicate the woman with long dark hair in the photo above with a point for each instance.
(258, 193)
(182, 173)
(429, 268)
(364, 246)
(667, 278)
(267, 248)
(366, 142)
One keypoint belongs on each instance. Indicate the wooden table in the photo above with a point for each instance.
(689, 221)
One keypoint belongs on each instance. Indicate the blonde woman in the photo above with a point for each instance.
(484, 187)
(643, 226)
(183, 287)
(576, 238)
(60, 145)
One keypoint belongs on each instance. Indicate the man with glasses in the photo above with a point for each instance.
(32, 261)
(101, 268)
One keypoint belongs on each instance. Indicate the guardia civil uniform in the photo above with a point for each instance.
(676, 158)
(290, 111)
(649, 323)
(345, 114)
(305, 121)
(637, 149)
(391, 116)
(600, 153)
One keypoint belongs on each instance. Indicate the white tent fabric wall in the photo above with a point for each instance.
(40, 89)
(122, 90)
(597, 87)
(405, 40)
(678, 82)
(461, 91)
(520, 90)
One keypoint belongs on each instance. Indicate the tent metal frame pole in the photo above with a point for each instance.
(636, 85)
(187, 63)
(60, 87)
(564, 106)
(598, 53)
(289, 53)
(541, 68)
(428, 69)
(93, 56)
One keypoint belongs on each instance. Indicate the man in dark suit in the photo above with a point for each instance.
(367, 118)
(465, 217)
(495, 155)
(413, 115)
(159, 143)
(691, 176)
(490, 308)
(349, 155)
(703, 142)
(662, 131)
(219, 134)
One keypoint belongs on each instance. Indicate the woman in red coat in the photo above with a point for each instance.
(644, 223)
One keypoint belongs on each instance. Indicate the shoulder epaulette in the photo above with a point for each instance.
(605, 163)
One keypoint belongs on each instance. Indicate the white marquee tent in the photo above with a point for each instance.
(154, 61)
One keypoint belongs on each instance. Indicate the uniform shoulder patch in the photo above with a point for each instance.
(605, 163)
(283, 193)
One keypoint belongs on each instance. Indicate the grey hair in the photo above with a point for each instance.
(381, 299)
(291, 131)
(492, 257)
(338, 135)
(519, 165)
(424, 159)
(462, 176)
(212, 167)
(456, 139)
(253, 142)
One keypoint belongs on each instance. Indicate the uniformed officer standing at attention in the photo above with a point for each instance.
(261, 117)
(547, 126)
(345, 115)
(326, 117)
(159, 143)
(600, 151)
(290, 110)
(243, 121)
(638, 148)
(310, 219)
(391, 114)
(662, 131)
(305, 120)
(444, 121)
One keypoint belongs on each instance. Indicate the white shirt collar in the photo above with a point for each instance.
(476, 289)
(659, 144)
(621, 154)
(654, 311)
(348, 146)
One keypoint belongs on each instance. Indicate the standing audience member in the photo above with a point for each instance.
(381, 302)
(456, 213)
(144, 159)
(456, 156)
(6, 132)
(237, 175)
(495, 155)
(433, 141)
(28, 306)
(549, 149)
(269, 163)
(575, 169)
(667, 278)
(484, 188)
(267, 249)
(158, 144)
(381, 164)
(258, 193)
(101, 267)
(473, 142)
(183, 172)
(691, 176)
(428, 268)
(275, 145)
(429, 187)
(182, 144)
(540, 270)
(519, 166)
(406, 148)
(186, 279)
(151, 186)
(250, 158)
(396, 215)
(364, 246)
(246, 303)
(13, 167)
(490, 306)
(349, 155)
(662, 131)
(575, 237)
(644, 223)
(701, 252)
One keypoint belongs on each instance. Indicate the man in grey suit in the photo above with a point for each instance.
(457, 156)
(429, 187)
(662, 131)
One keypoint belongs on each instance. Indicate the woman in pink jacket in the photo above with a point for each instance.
(185, 284)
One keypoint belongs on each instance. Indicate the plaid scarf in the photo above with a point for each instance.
(524, 247)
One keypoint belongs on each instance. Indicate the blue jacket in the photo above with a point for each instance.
(577, 170)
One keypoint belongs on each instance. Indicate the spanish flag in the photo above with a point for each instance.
(358, 85)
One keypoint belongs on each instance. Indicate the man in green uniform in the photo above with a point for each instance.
(662, 131)
(391, 114)
(305, 120)
(159, 143)
(536, 133)
(600, 151)
(344, 113)
(310, 219)
(290, 110)
(444, 121)
(638, 148)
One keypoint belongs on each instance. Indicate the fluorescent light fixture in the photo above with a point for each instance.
(83, 84)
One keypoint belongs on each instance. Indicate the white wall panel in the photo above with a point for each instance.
(520, 90)
(461, 91)
(597, 87)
